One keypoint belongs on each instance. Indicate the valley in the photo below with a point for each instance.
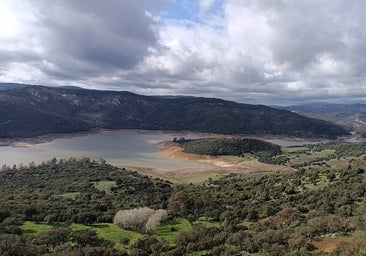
(182, 128)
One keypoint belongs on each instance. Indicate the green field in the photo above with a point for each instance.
(167, 231)
(106, 231)
(172, 228)
(105, 185)
(309, 155)
(207, 223)
(32, 228)
(71, 195)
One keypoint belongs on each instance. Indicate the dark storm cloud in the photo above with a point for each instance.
(17, 56)
(106, 34)
(83, 38)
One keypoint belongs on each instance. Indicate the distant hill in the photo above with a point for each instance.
(35, 110)
(9, 86)
(351, 116)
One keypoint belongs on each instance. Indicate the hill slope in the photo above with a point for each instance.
(35, 110)
(352, 116)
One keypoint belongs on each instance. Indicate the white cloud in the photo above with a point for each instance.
(205, 5)
(295, 50)
(258, 51)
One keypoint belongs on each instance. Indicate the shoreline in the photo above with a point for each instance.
(32, 141)
(219, 165)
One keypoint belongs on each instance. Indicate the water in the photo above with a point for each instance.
(351, 139)
(300, 142)
(291, 143)
(118, 149)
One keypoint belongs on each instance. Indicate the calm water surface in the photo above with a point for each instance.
(291, 143)
(299, 142)
(119, 149)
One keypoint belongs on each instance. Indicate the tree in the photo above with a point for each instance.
(154, 221)
(141, 219)
(134, 219)
(54, 237)
(86, 237)
(13, 245)
(177, 204)
(148, 245)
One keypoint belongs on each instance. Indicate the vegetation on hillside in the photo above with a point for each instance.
(321, 156)
(35, 110)
(260, 214)
(68, 191)
(230, 146)
(352, 116)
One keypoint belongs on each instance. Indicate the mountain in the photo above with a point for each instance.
(36, 110)
(9, 86)
(351, 116)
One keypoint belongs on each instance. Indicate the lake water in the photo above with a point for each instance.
(291, 143)
(300, 142)
(118, 149)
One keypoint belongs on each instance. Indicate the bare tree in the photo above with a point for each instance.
(154, 221)
(133, 219)
(140, 219)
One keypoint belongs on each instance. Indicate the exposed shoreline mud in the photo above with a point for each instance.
(217, 165)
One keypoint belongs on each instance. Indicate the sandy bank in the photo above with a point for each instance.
(218, 166)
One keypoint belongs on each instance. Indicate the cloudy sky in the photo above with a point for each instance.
(253, 51)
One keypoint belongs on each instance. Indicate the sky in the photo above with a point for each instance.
(273, 52)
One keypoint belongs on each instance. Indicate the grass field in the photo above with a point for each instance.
(172, 228)
(294, 149)
(105, 185)
(32, 228)
(309, 156)
(70, 195)
(207, 223)
(106, 231)
(167, 231)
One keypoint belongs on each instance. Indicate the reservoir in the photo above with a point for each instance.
(129, 149)
(117, 149)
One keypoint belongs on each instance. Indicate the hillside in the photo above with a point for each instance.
(61, 207)
(36, 110)
(351, 116)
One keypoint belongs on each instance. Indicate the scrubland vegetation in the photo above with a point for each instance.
(233, 147)
(68, 207)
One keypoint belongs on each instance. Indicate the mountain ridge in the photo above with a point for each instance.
(351, 116)
(36, 110)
